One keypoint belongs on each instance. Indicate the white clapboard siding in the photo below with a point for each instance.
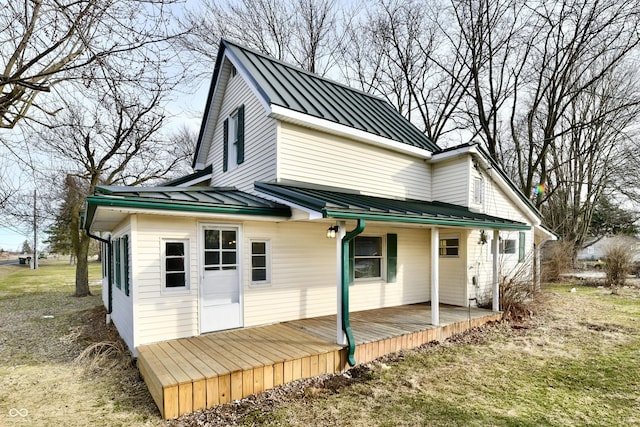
(451, 181)
(312, 156)
(453, 271)
(163, 315)
(498, 204)
(303, 277)
(413, 280)
(122, 314)
(259, 140)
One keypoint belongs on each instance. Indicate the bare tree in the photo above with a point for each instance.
(46, 42)
(111, 137)
(303, 32)
(401, 51)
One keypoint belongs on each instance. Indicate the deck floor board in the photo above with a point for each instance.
(218, 367)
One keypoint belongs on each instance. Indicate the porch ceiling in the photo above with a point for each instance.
(344, 204)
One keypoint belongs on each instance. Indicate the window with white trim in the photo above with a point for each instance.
(260, 262)
(175, 264)
(368, 257)
(449, 247)
(478, 190)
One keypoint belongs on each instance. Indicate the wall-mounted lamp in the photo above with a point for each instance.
(331, 232)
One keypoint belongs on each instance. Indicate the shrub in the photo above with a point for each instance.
(618, 260)
(558, 259)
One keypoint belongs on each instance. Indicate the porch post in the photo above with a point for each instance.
(495, 283)
(435, 276)
(340, 338)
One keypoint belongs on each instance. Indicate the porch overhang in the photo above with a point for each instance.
(110, 204)
(343, 204)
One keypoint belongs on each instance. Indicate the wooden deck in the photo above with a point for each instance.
(188, 374)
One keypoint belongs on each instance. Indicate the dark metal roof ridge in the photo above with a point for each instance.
(112, 189)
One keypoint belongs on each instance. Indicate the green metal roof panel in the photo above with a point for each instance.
(227, 200)
(293, 88)
(341, 203)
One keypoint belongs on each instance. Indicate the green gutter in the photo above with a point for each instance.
(417, 220)
(346, 325)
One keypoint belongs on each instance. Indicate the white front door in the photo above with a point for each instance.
(220, 299)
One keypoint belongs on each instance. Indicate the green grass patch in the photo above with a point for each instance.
(49, 276)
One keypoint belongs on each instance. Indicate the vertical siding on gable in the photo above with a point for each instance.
(259, 137)
(312, 156)
(451, 181)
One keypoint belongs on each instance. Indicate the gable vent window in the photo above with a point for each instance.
(233, 136)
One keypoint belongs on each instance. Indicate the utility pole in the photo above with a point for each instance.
(34, 264)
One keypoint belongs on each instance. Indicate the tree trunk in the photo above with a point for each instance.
(82, 266)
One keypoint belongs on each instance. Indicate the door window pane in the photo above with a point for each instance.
(211, 239)
(228, 240)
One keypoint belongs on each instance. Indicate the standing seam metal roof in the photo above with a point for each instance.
(304, 92)
(340, 203)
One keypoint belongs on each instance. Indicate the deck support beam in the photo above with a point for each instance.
(495, 283)
(435, 276)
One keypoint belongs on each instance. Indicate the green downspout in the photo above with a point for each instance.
(346, 325)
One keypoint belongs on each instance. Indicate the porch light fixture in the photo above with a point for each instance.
(331, 232)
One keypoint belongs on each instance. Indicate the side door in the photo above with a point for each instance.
(220, 293)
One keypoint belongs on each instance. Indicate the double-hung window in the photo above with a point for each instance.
(368, 257)
(175, 264)
(374, 257)
(233, 144)
(260, 263)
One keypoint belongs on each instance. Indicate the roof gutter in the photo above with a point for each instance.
(431, 221)
(346, 274)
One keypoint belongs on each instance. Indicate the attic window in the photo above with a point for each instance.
(234, 72)
(478, 190)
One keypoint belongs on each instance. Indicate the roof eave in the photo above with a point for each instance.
(93, 202)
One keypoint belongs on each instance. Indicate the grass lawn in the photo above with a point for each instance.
(576, 363)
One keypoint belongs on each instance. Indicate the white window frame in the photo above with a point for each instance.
(382, 257)
(163, 268)
(445, 238)
(232, 141)
(267, 255)
(478, 190)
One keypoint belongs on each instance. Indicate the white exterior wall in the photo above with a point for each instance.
(451, 181)
(164, 314)
(311, 156)
(122, 314)
(303, 278)
(413, 282)
(259, 140)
